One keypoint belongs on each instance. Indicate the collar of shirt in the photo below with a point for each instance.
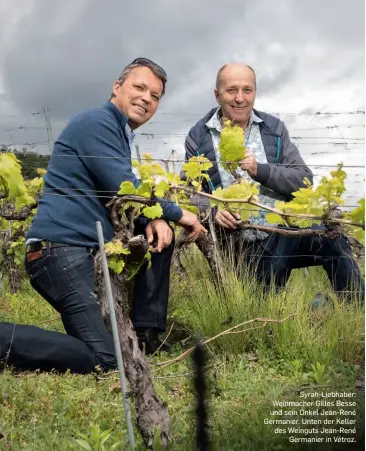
(122, 119)
(130, 134)
(215, 121)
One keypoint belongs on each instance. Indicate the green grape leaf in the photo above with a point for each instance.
(12, 180)
(126, 188)
(319, 201)
(116, 265)
(173, 178)
(216, 193)
(147, 169)
(153, 212)
(244, 213)
(145, 188)
(358, 214)
(245, 191)
(231, 147)
(192, 170)
(196, 166)
(274, 218)
(116, 247)
(147, 156)
(36, 182)
(359, 234)
(161, 188)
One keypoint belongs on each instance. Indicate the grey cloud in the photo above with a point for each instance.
(267, 84)
(75, 69)
(67, 54)
(346, 75)
(339, 22)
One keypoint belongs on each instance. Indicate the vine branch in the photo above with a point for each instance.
(265, 207)
(9, 214)
(185, 354)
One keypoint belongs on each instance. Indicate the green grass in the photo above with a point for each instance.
(246, 371)
(333, 331)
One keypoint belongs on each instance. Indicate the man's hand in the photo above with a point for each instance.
(227, 220)
(161, 229)
(249, 163)
(190, 222)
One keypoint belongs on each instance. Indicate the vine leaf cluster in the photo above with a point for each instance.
(309, 205)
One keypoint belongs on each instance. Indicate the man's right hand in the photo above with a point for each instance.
(189, 221)
(228, 220)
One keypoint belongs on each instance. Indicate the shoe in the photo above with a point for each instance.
(149, 341)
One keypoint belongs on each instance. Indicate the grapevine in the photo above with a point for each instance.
(243, 190)
(231, 147)
(18, 199)
(309, 205)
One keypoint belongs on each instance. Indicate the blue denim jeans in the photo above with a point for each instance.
(64, 276)
(274, 258)
(282, 254)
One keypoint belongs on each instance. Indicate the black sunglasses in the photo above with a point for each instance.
(147, 62)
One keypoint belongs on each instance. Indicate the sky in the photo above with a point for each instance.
(309, 57)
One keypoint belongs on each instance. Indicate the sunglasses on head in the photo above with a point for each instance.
(147, 62)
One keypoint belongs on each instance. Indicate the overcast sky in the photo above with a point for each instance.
(309, 57)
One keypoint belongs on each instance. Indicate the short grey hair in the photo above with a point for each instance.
(155, 69)
(218, 77)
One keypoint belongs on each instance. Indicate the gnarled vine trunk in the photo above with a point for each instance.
(151, 412)
(8, 266)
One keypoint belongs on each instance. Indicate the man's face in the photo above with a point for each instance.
(236, 93)
(138, 96)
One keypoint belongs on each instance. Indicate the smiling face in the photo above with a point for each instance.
(138, 96)
(236, 93)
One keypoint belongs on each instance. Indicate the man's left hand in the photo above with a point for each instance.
(161, 229)
(249, 163)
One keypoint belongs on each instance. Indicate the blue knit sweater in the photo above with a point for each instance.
(91, 158)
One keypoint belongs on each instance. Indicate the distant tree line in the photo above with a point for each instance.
(30, 161)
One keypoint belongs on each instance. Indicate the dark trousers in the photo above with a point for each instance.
(274, 258)
(64, 276)
(151, 289)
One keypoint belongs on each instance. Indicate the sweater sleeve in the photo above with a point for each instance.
(108, 159)
(287, 177)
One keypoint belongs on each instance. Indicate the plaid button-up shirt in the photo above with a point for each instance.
(253, 141)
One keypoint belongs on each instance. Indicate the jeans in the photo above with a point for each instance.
(274, 258)
(64, 277)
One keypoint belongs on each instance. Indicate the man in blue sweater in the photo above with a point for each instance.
(91, 158)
